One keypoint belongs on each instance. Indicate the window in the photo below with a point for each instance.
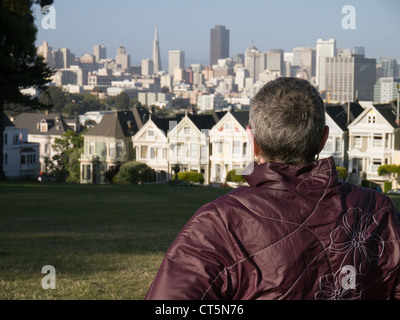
(5, 158)
(203, 152)
(236, 147)
(245, 148)
(165, 151)
(371, 119)
(143, 152)
(153, 153)
(179, 149)
(23, 159)
(387, 141)
(119, 150)
(194, 150)
(186, 130)
(376, 164)
(91, 147)
(111, 149)
(219, 147)
(150, 134)
(377, 141)
(338, 146)
(5, 138)
(357, 142)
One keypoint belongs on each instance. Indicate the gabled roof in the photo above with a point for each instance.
(120, 124)
(388, 111)
(7, 121)
(242, 117)
(338, 113)
(55, 122)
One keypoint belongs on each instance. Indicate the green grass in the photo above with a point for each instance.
(105, 241)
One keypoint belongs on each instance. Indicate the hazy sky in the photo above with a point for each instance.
(186, 24)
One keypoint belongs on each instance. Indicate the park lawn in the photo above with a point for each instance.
(104, 241)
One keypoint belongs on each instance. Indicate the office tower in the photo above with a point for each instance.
(308, 62)
(275, 61)
(358, 51)
(385, 90)
(176, 59)
(46, 52)
(255, 62)
(122, 59)
(297, 56)
(347, 77)
(156, 54)
(147, 67)
(325, 49)
(219, 44)
(389, 67)
(100, 52)
(63, 58)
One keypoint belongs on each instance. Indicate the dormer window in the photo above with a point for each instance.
(44, 126)
(371, 119)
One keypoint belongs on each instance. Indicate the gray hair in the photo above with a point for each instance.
(288, 120)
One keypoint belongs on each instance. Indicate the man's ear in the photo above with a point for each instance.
(250, 136)
(325, 137)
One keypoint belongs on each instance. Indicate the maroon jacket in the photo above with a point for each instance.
(295, 233)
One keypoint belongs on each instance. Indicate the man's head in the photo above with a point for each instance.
(288, 121)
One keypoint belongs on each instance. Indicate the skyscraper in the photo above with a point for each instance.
(325, 49)
(176, 59)
(219, 44)
(156, 54)
(347, 77)
(100, 52)
(122, 59)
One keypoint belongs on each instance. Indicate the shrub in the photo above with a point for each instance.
(343, 173)
(365, 183)
(190, 176)
(233, 177)
(135, 173)
(387, 186)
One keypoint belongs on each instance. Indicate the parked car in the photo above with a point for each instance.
(394, 191)
(44, 177)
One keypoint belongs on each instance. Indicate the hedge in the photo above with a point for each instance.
(191, 176)
(135, 173)
(233, 177)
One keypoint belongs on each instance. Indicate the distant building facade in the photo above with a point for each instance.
(219, 44)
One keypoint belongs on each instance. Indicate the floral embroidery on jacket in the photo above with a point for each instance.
(358, 241)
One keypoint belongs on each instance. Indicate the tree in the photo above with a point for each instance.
(121, 101)
(65, 164)
(20, 66)
(390, 170)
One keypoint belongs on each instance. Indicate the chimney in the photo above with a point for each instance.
(348, 113)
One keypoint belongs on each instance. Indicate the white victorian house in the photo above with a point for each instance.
(189, 143)
(374, 141)
(43, 128)
(151, 146)
(338, 117)
(20, 157)
(231, 148)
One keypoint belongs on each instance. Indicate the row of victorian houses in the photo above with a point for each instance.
(361, 139)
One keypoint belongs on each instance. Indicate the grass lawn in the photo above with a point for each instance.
(104, 241)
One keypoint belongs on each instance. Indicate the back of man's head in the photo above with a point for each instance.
(288, 121)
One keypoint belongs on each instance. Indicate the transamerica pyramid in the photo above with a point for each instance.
(156, 54)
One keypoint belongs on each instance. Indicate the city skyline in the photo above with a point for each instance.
(186, 26)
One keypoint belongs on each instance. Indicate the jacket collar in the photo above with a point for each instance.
(315, 175)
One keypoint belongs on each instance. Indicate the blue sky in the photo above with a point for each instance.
(186, 24)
